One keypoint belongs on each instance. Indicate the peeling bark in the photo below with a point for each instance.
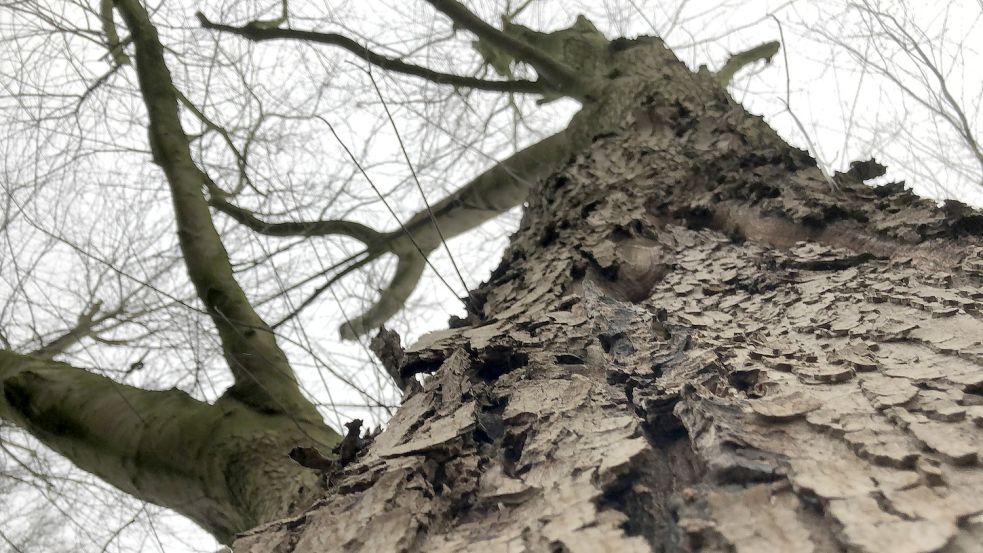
(692, 344)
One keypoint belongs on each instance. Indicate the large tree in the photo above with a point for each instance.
(698, 339)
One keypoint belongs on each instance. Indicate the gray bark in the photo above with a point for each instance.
(223, 465)
(692, 344)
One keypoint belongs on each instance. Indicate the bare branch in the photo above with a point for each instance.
(492, 193)
(562, 77)
(497, 190)
(258, 34)
(112, 37)
(737, 62)
(356, 262)
(241, 161)
(85, 325)
(358, 231)
(409, 269)
(263, 376)
(94, 421)
(955, 114)
(145, 443)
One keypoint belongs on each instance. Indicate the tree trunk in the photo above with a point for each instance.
(694, 342)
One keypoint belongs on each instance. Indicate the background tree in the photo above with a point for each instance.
(217, 165)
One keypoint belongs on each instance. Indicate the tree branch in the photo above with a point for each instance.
(487, 196)
(99, 424)
(367, 235)
(562, 77)
(737, 62)
(356, 261)
(497, 190)
(409, 270)
(241, 161)
(112, 37)
(258, 34)
(164, 447)
(263, 377)
(85, 325)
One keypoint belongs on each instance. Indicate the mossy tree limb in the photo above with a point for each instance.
(763, 52)
(221, 465)
(263, 377)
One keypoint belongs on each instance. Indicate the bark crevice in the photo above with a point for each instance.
(766, 388)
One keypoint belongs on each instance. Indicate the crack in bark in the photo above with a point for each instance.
(754, 396)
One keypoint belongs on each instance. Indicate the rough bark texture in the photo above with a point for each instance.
(692, 343)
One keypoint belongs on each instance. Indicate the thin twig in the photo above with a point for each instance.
(419, 187)
(258, 34)
(384, 202)
(788, 107)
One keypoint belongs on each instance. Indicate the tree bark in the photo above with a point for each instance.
(223, 465)
(693, 343)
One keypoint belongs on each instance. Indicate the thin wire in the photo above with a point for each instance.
(644, 17)
(307, 340)
(788, 107)
(10, 543)
(381, 197)
(118, 532)
(376, 371)
(419, 186)
(45, 494)
(365, 348)
(295, 311)
(150, 524)
(309, 348)
(299, 283)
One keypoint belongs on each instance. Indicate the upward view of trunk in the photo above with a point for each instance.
(695, 342)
